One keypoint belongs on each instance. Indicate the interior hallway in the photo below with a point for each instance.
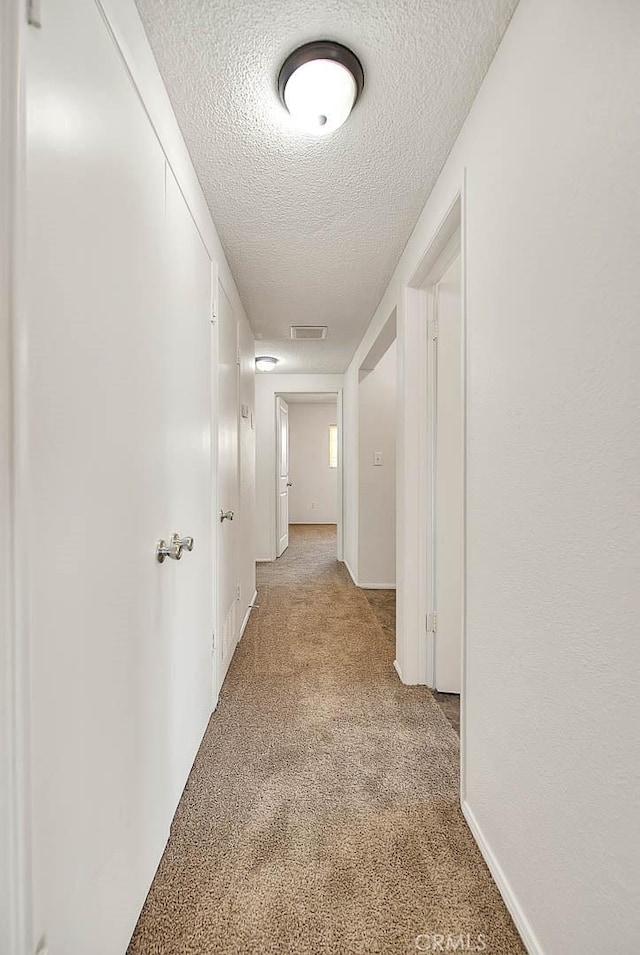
(321, 814)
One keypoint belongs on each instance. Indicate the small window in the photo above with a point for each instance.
(333, 445)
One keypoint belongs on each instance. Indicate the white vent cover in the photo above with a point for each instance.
(309, 333)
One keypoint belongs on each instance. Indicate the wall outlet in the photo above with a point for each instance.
(377, 458)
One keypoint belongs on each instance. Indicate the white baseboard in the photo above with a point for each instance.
(351, 573)
(521, 921)
(264, 560)
(367, 586)
(247, 615)
(302, 523)
(396, 667)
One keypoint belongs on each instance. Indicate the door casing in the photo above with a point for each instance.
(282, 478)
(415, 518)
(15, 793)
(338, 393)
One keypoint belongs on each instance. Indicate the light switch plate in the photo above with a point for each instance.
(377, 458)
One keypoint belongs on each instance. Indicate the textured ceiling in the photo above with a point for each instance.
(313, 227)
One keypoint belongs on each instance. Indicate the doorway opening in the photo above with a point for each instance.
(377, 439)
(436, 292)
(308, 468)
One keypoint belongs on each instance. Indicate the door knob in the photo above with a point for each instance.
(226, 516)
(289, 485)
(173, 549)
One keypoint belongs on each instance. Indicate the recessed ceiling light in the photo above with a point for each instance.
(266, 363)
(319, 84)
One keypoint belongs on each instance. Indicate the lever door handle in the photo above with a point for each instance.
(173, 549)
(226, 516)
(184, 543)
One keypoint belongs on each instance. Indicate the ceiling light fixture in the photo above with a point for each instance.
(266, 363)
(319, 83)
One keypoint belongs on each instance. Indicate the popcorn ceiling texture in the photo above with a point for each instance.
(313, 228)
(322, 813)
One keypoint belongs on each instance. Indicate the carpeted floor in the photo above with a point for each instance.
(383, 604)
(321, 816)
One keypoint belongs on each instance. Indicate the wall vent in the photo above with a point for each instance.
(309, 333)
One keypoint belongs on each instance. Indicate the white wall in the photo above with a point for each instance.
(113, 420)
(313, 497)
(377, 499)
(267, 386)
(551, 151)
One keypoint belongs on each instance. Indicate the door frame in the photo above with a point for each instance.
(451, 251)
(338, 392)
(447, 241)
(280, 401)
(15, 817)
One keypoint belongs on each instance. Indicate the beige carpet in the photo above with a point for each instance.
(321, 815)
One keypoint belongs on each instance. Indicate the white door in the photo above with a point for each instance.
(189, 612)
(449, 482)
(114, 438)
(282, 427)
(228, 488)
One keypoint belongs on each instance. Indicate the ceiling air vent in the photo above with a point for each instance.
(309, 333)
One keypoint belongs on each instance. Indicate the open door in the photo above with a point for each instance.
(282, 430)
(449, 481)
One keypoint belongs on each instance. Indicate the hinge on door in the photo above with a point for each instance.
(432, 621)
(238, 592)
(34, 13)
(238, 357)
(213, 641)
(433, 330)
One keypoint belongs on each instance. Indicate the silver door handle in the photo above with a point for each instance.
(184, 543)
(173, 549)
(226, 516)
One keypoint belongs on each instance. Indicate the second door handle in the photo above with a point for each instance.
(226, 516)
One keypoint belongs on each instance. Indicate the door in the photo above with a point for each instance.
(115, 452)
(188, 617)
(228, 489)
(282, 427)
(449, 481)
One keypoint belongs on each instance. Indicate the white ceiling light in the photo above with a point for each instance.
(266, 363)
(319, 84)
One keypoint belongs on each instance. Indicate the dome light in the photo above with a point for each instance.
(319, 84)
(266, 363)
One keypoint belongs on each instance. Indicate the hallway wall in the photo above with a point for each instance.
(549, 156)
(313, 498)
(377, 499)
(267, 386)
